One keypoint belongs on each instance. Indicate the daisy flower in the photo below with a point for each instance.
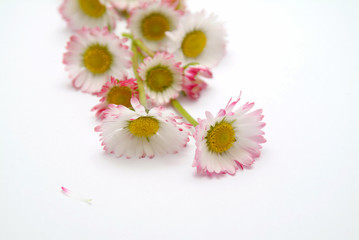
(229, 140)
(140, 133)
(151, 21)
(162, 77)
(116, 92)
(87, 13)
(93, 55)
(198, 38)
(193, 84)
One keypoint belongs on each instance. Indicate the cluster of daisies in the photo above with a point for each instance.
(164, 54)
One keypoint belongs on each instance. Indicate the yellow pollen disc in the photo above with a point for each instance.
(97, 59)
(159, 78)
(144, 126)
(154, 26)
(120, 96)
(193, 44)
(220, 137)
(92, 8)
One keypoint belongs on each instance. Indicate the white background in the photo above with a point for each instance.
(298, 60)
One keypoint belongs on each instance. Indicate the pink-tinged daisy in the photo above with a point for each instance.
(198, 38)
(162, 76)
(88, 13)
(118, 92)
(93, 55)
(229, 140)
(151, 21)
(193, 84)
(140, 133)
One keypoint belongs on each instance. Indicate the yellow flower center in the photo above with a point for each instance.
(120, 96)
(194, 43)
(97, 59)
(154, 26)
(144, 126)
(159, 78)
(92, 8)
(220, 137)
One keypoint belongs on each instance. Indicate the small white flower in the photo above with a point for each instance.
(229, 140)
(162, 76)
(139, 134)
(93, 55)
(87, 13)
(198, 38)
(151, 21)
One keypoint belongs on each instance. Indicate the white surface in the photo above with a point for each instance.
(298, 60)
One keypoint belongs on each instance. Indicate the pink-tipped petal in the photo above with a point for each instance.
(75, 196)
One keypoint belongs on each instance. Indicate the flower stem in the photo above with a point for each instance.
(141, 88)
(143, 47)
(140, 55)
(127, 35)
(109, 27)
(183, 112)
(139, 44)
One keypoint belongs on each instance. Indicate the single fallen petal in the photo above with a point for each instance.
(76, 196)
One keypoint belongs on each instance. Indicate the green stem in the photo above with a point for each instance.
(141, 88)
(139, 44)
(183, 112)
(127, 35)
(109, 27)
(140, 55)
(143, 47)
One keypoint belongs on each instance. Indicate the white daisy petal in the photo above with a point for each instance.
(127, 5)
(137, 106)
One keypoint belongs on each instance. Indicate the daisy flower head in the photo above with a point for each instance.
(193, 83)
(118, 92)
(87, 13)
(151, 21)
(162, 77)
(140, 133)
(93, 55)
(198, 38)
(229, 140)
